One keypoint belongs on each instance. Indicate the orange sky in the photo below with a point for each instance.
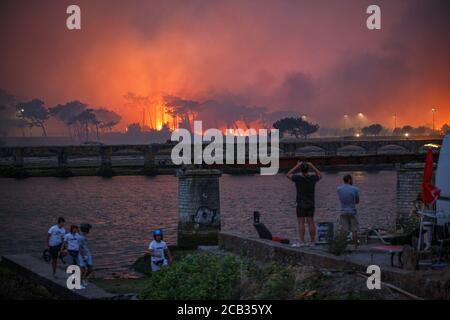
(311, 57)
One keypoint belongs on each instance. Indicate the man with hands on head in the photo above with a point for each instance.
(305, 184)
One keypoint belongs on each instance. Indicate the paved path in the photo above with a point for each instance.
(40, 271)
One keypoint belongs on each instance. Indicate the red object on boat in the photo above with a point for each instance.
(430, 193)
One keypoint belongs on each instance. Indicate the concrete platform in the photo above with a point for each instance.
(431, 284)
(40, 271)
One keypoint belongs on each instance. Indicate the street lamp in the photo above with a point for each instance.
(433, 110)
(345, 121)
(360, 116)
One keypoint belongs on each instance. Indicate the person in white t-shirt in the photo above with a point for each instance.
(72, 243)
(160, 253)
(55, 238)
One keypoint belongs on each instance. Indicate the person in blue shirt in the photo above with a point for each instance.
(85, 256)
(349, 198)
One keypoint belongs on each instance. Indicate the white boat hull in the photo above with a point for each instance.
(443, 183)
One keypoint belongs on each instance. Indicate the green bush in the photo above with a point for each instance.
(197, 276)
(279, 285)
(338, 244)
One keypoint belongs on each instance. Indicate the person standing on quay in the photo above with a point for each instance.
(305, 184)
(349, 197)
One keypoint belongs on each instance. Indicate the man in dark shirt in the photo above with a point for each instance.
(305, 185)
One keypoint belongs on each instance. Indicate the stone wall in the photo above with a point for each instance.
(409, 184)
(198, 207)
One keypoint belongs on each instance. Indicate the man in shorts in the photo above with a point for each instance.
(305, 184)
(55, 238)
(349, 197)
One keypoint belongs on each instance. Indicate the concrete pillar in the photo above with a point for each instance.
(18, 157)
(62, 170)
(62, 158)
(198, 207)
(18, 170)
(409, 186)
(149, 160)
(106, 169)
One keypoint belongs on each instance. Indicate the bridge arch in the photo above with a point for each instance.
(392, 149)
(310, 151)
(351, 150)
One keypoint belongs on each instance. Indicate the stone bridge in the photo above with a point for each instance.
(159, 154)
(354, 147)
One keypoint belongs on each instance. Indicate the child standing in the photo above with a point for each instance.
(159, 251)
(72, 243)
(85, 257)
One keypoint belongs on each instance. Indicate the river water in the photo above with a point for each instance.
(123, 210)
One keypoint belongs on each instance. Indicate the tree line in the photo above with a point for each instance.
(80, 119)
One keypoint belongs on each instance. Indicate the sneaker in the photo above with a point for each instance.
(84, 283)
(82, 287)
(298, 245)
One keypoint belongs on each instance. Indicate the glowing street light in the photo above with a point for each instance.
(433, 110)
(360, 117)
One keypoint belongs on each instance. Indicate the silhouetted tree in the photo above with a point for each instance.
(134, 129)
(372, 130)
(295, 126)
(107, 119)
(34, 113)
(8, 114)
(68, 112)
(84, 120)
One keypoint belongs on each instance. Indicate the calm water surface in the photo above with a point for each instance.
(123, 210)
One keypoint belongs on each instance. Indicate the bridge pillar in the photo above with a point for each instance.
(198, 207)
(149, 161)
(105, 169)
(409, 186)
(18, 157)
(63, 170)
(18, 169)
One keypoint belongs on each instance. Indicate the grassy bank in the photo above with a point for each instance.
(14, 286)
(211, 276)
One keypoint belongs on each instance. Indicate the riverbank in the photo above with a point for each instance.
(215, 274)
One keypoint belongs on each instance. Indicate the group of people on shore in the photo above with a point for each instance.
(305, 185)
(73, 244)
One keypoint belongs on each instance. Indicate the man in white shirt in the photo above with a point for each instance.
(55, 238)
(72, 243)
(349, 197)
(159, 251)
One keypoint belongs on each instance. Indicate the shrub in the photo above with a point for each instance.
(197, 276)
(338, 244)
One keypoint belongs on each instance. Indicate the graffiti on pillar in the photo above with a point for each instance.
(205, 216)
